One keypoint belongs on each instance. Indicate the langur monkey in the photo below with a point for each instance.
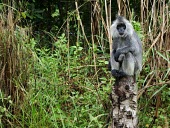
(126, 56)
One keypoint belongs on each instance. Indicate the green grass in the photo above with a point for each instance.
(66, 94)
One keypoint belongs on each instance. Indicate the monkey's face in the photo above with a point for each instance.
(121, 27)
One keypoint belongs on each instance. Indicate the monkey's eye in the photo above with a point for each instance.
(121, 25)
(121, 28)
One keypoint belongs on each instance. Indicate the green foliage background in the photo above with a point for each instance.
(68, 88)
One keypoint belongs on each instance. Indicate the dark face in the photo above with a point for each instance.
(121, 28)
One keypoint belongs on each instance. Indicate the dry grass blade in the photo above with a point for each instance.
(81, 24)
(14, 70)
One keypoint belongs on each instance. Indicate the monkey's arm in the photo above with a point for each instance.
(124, 50)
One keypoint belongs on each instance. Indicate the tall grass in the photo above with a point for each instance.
(14, 66)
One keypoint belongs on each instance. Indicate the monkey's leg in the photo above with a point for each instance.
(128, 64)
(115, 66)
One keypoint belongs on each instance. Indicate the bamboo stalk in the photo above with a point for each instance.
(108, 23)
(81, 24)
(93, 46)
(68, 46)
(119, 9)
(163, 25)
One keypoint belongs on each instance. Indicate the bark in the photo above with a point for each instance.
(124, 103)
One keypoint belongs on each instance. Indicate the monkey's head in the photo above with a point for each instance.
(121, 27)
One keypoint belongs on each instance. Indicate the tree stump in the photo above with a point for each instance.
(124, 103)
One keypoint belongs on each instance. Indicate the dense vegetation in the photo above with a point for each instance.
(54, 56)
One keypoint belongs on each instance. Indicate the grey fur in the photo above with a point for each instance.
(127, 49)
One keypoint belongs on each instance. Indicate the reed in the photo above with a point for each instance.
(14, 62)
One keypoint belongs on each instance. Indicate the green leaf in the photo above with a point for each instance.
(56, 13)
(23, 14)
(106, 62)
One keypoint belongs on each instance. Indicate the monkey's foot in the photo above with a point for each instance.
(117, 73)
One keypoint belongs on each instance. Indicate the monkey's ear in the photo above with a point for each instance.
(113, 30)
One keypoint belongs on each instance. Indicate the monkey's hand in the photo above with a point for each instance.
(116, 56)
(124, 50)
(117, 73)
(121, 57)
